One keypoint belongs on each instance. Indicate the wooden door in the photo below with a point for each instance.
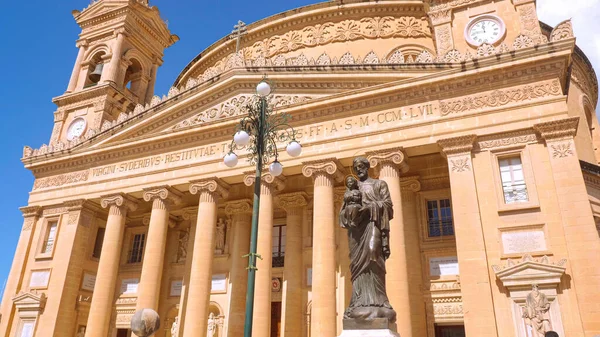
(450, 331)
(275, 319)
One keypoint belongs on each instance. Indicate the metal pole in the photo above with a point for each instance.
(254, 235)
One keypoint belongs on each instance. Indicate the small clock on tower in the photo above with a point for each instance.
(485, 29)
(76, 128)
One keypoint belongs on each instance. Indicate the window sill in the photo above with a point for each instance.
(44, 256)
(518, 206)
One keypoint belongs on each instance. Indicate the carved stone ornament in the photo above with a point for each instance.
(275, 184)
(410, 184)
(457, 146)
(60, 180)
(530, 270)
(330, 167)
(29, 304)
(394, 157)
(164, 193)
(189, 213)
(120, 201)
(507, 139)
(213, 186)
(437, 5)
(243, 206)
(563, 129)
(30, 215)
(292, 200)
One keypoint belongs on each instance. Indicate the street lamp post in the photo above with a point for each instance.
(259, 132)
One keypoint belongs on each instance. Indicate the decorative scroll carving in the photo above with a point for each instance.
(506, 139)
(393, 156)
(558, 130)
(60, 180)
(165, 193)
(120, 200)
(501, 97)
(292, 200)
(275, 184)
(410, 184)
(440, 17)
(243, 206)
(214, 186)
(457, 145)
(331, 167)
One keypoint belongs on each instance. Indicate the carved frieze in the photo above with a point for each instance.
(63, 179)
(562, 31)
(501, 97)
(506, 139)
(293, 200)
(243, 206)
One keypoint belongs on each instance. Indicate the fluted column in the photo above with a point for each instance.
(241, 213)
(324, 174)
(104, 292)
(210, 191)
(191, 215)
(478, 304)
(162, 197)
(390, 163)
(31, 215)
(261, 322)
(292, 316)
(82, 45)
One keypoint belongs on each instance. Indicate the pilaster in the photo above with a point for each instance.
(441, 21)
(478, 304)
(577, 220)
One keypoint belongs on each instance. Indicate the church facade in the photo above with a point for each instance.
(480, 118)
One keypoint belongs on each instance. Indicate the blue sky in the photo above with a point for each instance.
(38, 52)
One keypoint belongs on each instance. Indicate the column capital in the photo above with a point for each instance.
(410, 184)
(31, 211)
(394, 157)
(242, 206)
(214, 186)
(81, 43)
(292, 200)
(119, 200)
(562, 129)
(330, 167)
(268, 180)
(457, 145)
(75, 205)
(165, 193)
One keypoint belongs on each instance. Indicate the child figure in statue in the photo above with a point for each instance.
(353, 202)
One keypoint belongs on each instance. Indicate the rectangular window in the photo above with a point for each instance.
(278, 246)
(439, 218)
(99, 242)
(136, 254)
(50, 237)
(513, 180)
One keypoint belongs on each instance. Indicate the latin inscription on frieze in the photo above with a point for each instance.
(530, 241)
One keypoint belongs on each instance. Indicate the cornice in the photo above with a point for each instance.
(457, 145)
(31, 211)
(390, 93)
(559, 129)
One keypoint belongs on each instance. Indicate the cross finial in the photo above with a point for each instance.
(237, 33)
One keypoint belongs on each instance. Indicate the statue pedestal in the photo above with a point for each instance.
(369, 333)
(379, 327)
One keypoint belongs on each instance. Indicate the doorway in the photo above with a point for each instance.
(123, 333)
(450, 331)
(275, 319)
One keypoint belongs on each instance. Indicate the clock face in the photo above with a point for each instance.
(485, 29)
(76, 128)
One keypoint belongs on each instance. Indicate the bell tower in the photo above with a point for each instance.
(121, 46)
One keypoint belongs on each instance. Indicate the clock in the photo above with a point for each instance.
(76, 128)
(485, 29)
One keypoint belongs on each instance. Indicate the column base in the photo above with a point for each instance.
(369, 333)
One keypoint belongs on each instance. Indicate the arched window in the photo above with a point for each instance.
(133, 77)
(95, 68)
